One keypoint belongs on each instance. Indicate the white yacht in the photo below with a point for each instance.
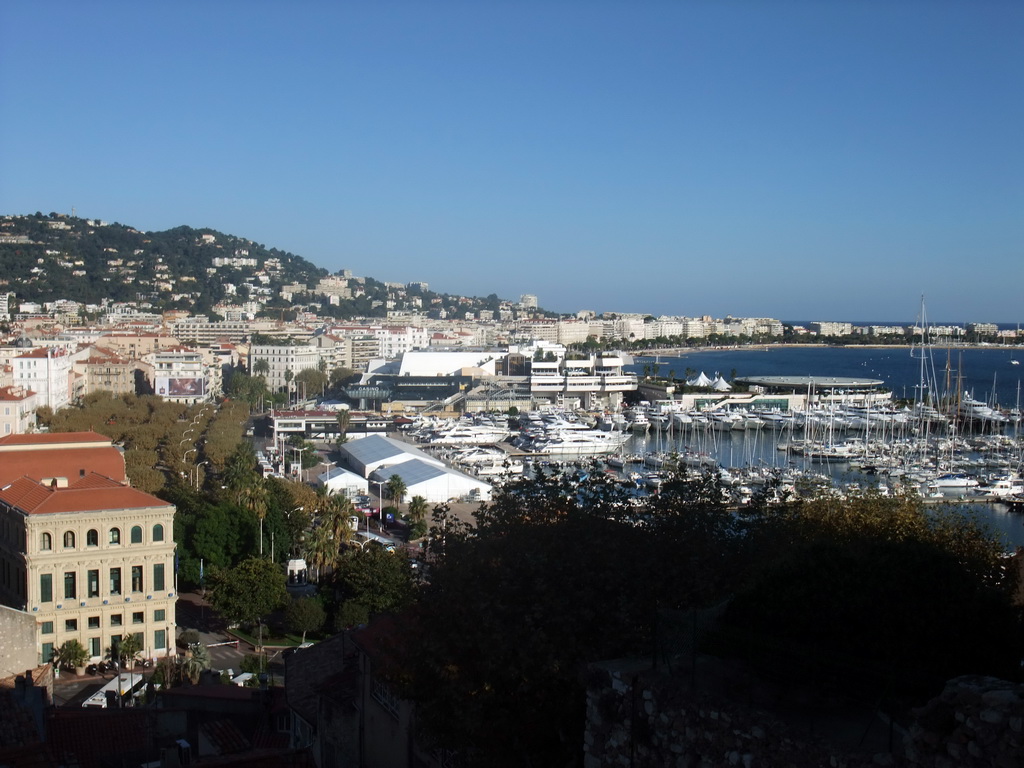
(467, 434)
(591, 442)
(953, 481)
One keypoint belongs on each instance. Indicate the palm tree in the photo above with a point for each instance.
(71, 654)
(288, 376)
(321, 549)
(417, 509)
(125, 652)
(337, 513)
(417, 517)
(255, 497)
(396, 488)
(261, 367)
(240, 471)
(197, 659)
(344, 419)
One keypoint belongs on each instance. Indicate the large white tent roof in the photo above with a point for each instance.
(434, 483)
(375, 448)
(700, 381)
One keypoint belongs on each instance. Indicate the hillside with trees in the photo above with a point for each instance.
(56, 257)
(53, 257)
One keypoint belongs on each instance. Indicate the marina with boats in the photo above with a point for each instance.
(785, 432)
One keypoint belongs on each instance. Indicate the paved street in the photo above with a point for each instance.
(193, 612)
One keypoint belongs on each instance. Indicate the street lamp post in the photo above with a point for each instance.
(328, 465)
(201, 463)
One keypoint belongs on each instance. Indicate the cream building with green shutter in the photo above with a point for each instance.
(86, 555)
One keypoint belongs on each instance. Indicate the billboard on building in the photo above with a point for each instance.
(181, 387)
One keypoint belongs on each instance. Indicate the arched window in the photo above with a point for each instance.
(136, 537)
(115, 535)
(158, 532)
(46, 542)
(69, 539)
(92, 538)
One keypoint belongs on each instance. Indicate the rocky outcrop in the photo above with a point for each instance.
(637, 717)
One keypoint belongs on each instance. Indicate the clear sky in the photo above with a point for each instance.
(801, 160)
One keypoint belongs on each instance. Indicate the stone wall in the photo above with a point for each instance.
(17, 642)
(976, 721)
(638, 717)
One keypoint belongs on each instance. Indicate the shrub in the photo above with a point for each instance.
(188, 638)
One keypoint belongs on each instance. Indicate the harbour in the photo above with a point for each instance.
(884, 441)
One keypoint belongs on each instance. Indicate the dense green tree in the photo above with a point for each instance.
(306, 614)
(566, 569)
(867, 615)
(374, 580)
(311, 381)
(248, 592)
(339, 376)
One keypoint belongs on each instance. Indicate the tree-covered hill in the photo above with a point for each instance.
(51, 257)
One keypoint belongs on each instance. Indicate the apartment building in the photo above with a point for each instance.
(47, 372)
(106, 370)
(280, 359)
(136, 346)
(180, 375)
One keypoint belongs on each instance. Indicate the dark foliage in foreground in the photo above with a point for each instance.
(566, 570)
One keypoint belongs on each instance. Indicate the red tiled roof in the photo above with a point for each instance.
(36, 499)
(41, 352)
(15, 393)
(24, 493)
(52, 438)
(61, 462)
(94, 480)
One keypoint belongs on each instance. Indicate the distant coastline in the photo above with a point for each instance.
(680, 351)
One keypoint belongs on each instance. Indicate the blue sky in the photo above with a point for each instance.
(802, 160)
